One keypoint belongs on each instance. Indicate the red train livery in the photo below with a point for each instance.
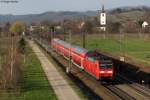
(90, 61)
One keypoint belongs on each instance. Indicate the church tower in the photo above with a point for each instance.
(103, 19)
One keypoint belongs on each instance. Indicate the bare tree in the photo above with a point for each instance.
(11, 68)
(147, 16)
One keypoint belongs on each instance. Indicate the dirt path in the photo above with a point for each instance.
(62, 89)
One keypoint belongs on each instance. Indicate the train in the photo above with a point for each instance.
(91, 62)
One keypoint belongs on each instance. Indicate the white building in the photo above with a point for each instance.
(145, 24)
(103, 19)
(32, 28)
(58, 27)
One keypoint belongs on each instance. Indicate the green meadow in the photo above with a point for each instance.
(136, 47)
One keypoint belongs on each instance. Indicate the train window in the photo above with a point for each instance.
(104, 66)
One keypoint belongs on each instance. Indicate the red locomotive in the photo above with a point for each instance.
(90, 61)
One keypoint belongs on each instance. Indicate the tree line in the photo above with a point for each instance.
(91, 26)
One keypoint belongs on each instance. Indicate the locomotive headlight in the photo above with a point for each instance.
(109, 71)
(102, 72)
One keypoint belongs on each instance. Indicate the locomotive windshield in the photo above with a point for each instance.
(97, 56)
(105, 62)
(106, 66)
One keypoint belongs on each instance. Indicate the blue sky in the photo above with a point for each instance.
(39, 6)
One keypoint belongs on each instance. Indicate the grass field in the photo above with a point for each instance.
(35, 85)
(130, 46)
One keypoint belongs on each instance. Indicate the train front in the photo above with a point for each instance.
(106, 69)
(104, 66)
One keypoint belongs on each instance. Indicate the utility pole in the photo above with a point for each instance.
(0, 60)
(52, 32)
(121, 43)
(12, 58)
(0, 54)
(83, 33)
(68, 69)
(64, 30)
(83, 39)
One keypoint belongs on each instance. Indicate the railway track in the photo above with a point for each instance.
(123, 95)
(87, 80)
(105, 91)
(137, 87)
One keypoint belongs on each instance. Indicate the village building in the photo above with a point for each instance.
(145, 24)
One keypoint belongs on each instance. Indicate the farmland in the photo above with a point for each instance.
(133, 47)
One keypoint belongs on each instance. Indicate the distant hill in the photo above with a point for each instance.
(127, 13)
(50, 16)
(129, 9)
(117, 14)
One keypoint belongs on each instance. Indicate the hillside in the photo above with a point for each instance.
(50, 16)
(118, 14)
(127, 13)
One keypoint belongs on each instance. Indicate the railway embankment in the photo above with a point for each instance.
(108, 91)
(96, 90)
(61, 87)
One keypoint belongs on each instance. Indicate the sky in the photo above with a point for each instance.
(39, 6)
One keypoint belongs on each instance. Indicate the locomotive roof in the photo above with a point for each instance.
(97, 56)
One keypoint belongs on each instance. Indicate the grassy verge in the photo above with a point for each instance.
(36, 86)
